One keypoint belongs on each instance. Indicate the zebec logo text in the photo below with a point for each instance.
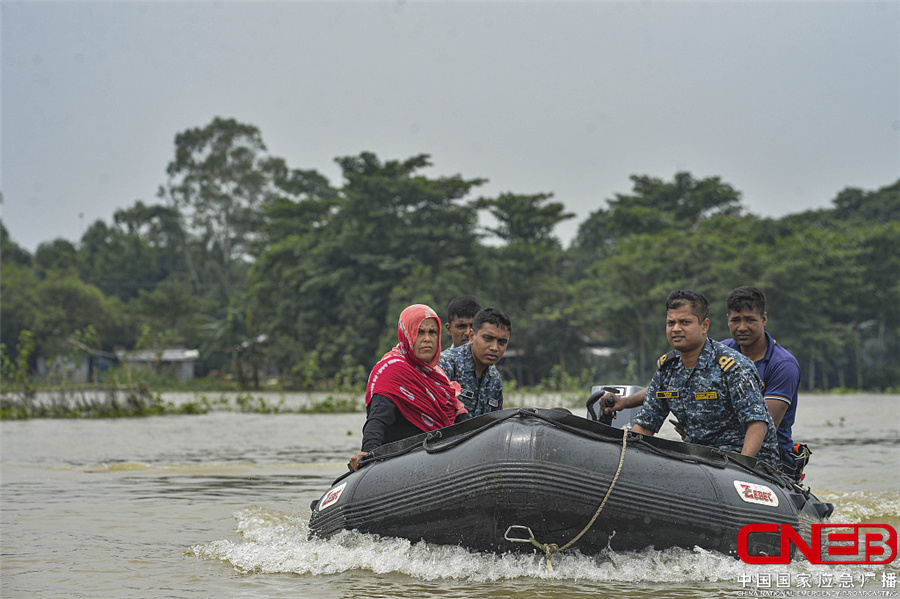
(829, 543)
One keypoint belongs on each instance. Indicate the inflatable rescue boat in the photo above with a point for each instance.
(526, 479)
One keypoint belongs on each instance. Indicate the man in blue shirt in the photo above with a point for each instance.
(713, 391)
(473, 365)
(778, 369)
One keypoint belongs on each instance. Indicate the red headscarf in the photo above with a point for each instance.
(421, 391)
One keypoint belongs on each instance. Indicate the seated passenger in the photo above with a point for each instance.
(777, 368)
(461, 313)
(473, 365)
(407, 393)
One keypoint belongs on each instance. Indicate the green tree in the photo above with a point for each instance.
(812, 280)
(220, 176)
(664, 236)
(117, 262)
(57, 256)
(239, 337)
(10, 251)
(284, 283)
(335, 268)
(622, 297)
(172, 306)
(654, 206)
(20, 305)
(524, 280)
(859, 206)
(878, 320)
(852, 207)
(16, 368)
(58, 306)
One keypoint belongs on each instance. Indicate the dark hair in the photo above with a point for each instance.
(699, 304)
(742, 298)
(494, 316)
(464, 306)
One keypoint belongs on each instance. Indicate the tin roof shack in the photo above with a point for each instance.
(176, 361)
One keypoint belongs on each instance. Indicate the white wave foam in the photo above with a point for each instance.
(864, 507)
(275, 542)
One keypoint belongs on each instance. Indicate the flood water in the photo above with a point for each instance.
(217, 506)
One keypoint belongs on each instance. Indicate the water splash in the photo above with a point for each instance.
(864, 507)
(276, 543)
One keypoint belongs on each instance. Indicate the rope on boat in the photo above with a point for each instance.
(550, 548)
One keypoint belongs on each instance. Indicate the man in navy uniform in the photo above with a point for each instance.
(714, 392)
(473, 365)
(461, 313)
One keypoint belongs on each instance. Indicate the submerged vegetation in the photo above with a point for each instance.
(81, 403)
(204, 396)
(98, 402)
(135, 400)
(127, 393)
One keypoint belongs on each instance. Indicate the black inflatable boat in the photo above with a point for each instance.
(524, 478)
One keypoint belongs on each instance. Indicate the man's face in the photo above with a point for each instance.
(488, 344)
(459, 328)
(684, 330)
(747, 326)
(426, 344)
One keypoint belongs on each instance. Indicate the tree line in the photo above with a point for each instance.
(278, 271)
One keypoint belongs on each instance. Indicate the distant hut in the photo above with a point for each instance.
(175, 360)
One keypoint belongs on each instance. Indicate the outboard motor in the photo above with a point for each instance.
(595, 410)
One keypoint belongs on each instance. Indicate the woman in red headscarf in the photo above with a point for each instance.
(407, 392)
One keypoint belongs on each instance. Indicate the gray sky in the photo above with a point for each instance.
(788, 102)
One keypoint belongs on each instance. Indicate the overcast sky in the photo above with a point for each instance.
(788, 102)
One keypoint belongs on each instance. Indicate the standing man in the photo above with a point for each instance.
(473, 365)
(778, 369)
(713, 391)
(461, 313)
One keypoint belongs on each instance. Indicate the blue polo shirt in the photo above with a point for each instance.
(780, 374)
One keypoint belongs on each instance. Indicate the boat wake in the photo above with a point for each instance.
(864, 507)
(274, 542)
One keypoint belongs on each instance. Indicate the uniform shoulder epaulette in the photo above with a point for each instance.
(724, 361)
(665, 359)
